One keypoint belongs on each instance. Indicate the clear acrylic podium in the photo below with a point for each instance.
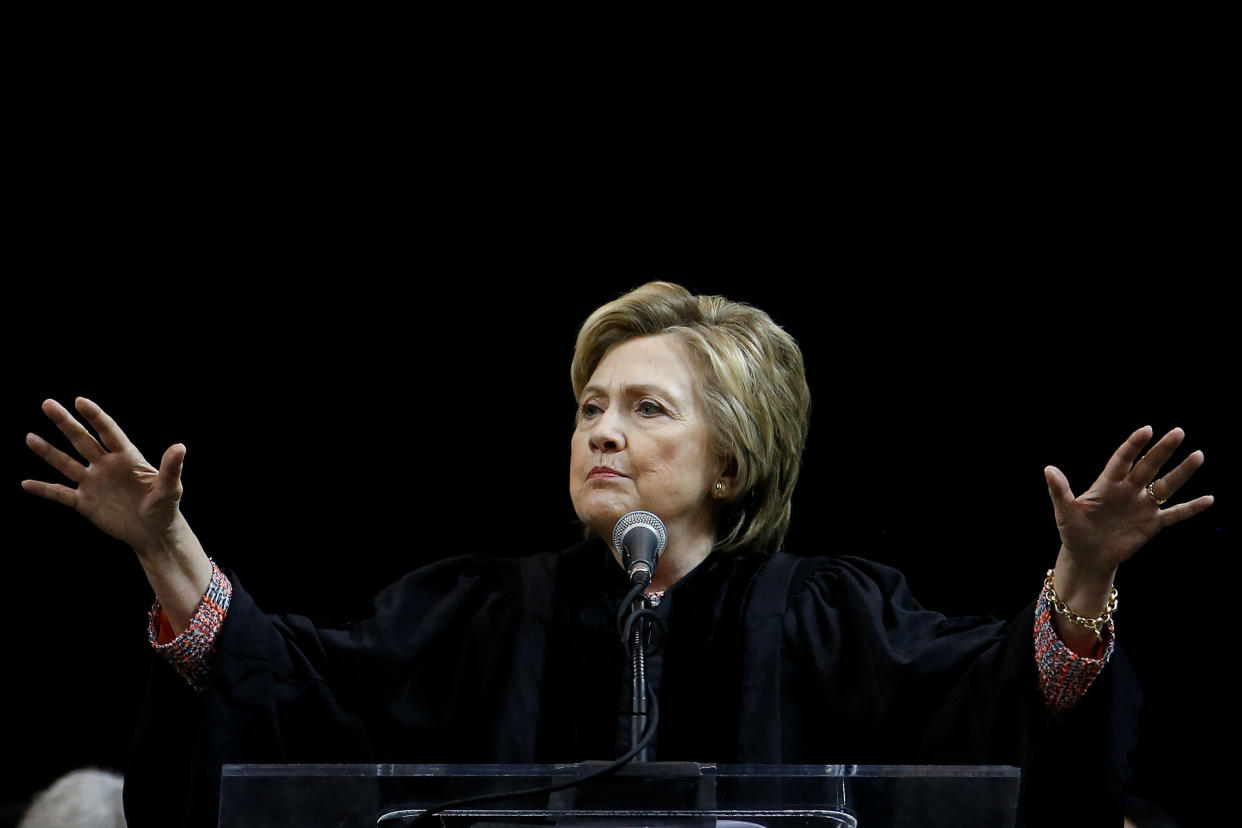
(685, 794)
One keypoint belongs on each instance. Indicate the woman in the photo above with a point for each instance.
(697, 409)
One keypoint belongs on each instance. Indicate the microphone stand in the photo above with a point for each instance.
(640, 537)
(638, 663)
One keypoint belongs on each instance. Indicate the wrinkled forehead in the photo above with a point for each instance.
(661, 361)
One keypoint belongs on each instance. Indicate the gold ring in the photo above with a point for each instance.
(1159, 501)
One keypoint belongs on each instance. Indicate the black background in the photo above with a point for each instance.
(349, 281)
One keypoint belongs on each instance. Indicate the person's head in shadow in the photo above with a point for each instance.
(81, 799)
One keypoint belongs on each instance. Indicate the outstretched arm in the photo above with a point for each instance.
(129, 499)
(1105, 525)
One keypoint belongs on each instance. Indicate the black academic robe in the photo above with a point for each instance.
(776, 659)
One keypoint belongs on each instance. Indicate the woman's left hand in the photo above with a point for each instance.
(1105, 525)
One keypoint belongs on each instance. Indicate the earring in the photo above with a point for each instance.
(720, 489)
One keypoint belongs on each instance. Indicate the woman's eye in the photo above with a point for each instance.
(649, 409)
(590, 409)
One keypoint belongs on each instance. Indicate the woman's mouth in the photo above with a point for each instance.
(604, 473)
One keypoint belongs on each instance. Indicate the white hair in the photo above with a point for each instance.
(81, 799)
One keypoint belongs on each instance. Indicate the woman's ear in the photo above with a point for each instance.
(726, 482)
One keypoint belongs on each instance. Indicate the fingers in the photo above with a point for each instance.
(1122, 461)
(1167, 486)
(109, 432)
(71, 428)
(1058, 489)
(52, 491)
(1149, 465)
(170, 469)
(1178, 513)
(56, 458)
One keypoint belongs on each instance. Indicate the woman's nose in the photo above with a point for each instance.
(607, 434)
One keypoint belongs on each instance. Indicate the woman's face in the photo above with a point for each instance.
(643, 441)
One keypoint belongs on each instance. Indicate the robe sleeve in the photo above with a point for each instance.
(898, 684)
(396, 687)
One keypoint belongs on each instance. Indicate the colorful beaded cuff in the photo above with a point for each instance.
(190, 653)
(1064, 676)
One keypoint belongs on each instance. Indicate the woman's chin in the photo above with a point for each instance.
(601, 517)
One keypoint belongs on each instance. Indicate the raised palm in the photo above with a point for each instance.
(117, 490)
(1105, 525)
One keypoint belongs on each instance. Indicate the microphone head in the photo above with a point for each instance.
(633, 520)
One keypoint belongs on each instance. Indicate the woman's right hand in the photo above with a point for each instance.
(131, 500)
(117, 489)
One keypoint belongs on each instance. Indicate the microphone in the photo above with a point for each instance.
(640, 537)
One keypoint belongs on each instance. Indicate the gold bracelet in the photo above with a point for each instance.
(1097, 624)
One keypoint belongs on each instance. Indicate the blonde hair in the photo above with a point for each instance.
(753, 383)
